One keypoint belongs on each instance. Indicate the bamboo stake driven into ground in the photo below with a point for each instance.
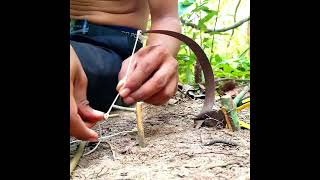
(229, 105)
(141, 138)
(226, 117)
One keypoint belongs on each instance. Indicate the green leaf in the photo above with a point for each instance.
(182, 57)
(203, 27)
(217, 58)
(187, 2)
(208, 43)
(184, 6)
(201, 22)
(207, 10)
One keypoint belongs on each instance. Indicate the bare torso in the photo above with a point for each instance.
(130, 13)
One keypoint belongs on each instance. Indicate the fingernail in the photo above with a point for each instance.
(129, 100)
(124, 92)
(98, 113)
(120, 84)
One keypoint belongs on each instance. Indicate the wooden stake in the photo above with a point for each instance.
(140, 124)
(228, 103)
(226, 117)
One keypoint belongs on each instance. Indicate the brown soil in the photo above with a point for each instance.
(175, 150)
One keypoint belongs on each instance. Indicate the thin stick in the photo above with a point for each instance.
(113, 115)
(140, 124)
(124, 108)
(233, 26)
(106, 116)
(77, 156)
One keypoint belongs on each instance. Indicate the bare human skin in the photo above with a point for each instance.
(153, 77)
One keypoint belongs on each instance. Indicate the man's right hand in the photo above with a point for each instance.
(82, 116)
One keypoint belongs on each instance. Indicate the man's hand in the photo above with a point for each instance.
(82, 116)
(153, 77)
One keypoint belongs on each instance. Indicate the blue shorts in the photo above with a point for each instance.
(101, 50)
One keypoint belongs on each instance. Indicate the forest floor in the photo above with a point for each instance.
(174, 148)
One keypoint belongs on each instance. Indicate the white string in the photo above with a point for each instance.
(92, 149)
(107, 137)
(106, 115)
(126, 76)
(131, 57)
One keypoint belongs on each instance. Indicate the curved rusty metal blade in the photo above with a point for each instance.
(205, 65)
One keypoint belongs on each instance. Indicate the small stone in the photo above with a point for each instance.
(124, 174)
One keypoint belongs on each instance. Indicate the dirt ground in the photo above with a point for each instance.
(175, 150)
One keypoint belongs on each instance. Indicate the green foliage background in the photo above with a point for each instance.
(228, 61)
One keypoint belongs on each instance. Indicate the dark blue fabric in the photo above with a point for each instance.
(101, 50)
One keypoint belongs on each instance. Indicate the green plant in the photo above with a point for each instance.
(230, 62)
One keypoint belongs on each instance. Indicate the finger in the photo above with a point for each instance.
(85, 111)
(155, 84)
(120, 84)
(122, 77)
(78, 129)
(147, 62)
(123, 92)
(80, 85)
(89, 124)
(125, 65)
(123, 69)
(73, 64)
(89, 114)
(164, 96)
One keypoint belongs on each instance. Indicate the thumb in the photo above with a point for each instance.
(123, 69)
(89, 114)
